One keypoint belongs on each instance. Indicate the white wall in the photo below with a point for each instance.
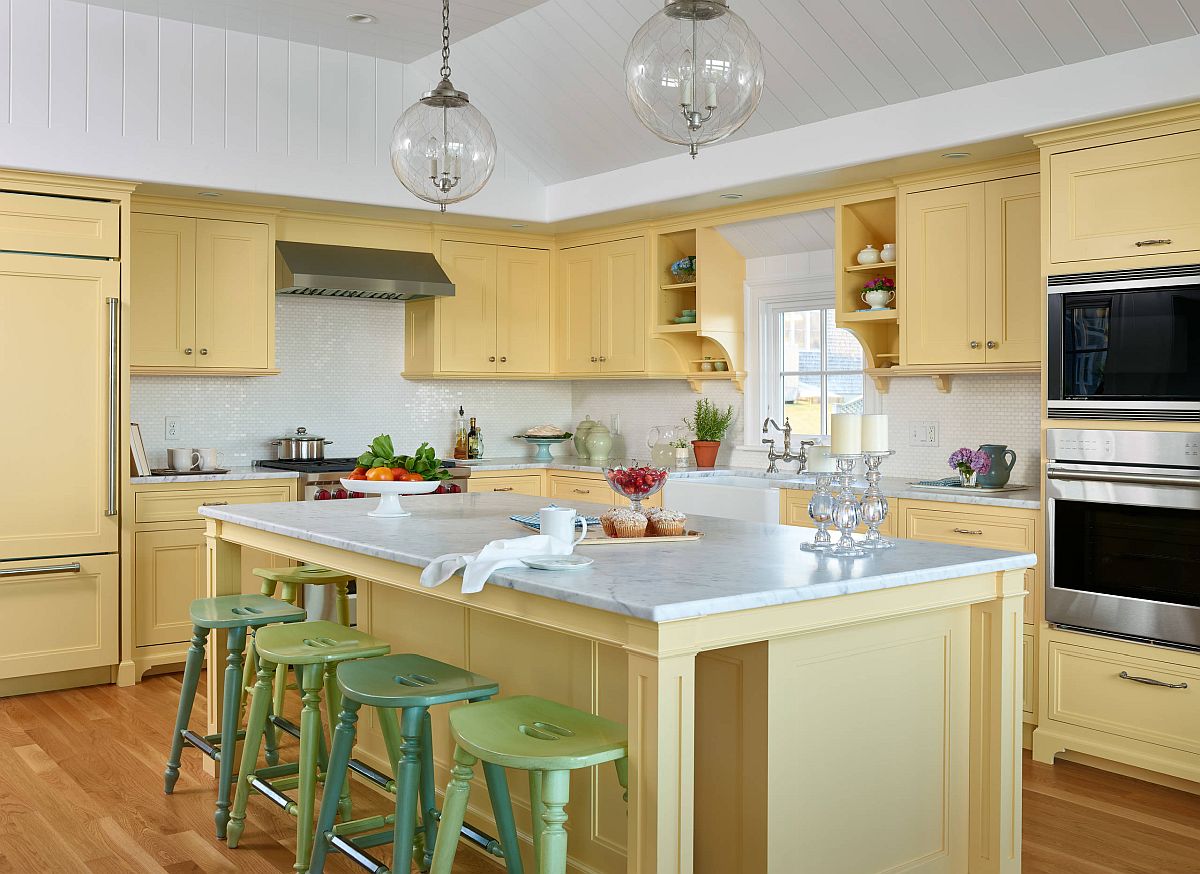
(342, 389)
(91, 90)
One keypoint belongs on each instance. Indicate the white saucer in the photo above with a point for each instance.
(557, 562)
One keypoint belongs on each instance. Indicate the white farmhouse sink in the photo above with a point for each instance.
(728, 497)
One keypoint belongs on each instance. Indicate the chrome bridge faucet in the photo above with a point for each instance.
(801, 455)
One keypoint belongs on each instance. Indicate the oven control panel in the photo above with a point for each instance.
(1134, 448)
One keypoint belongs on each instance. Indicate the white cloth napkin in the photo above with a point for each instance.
(496, 555)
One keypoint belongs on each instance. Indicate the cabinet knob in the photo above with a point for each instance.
(203, 351)
(992, 344)
(974, 344)
(492, 358)
(187, 351)
(503, 358)
(594, 359)
(602, 358)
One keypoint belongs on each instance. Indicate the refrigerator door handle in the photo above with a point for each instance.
(72, 568)
(114, 390)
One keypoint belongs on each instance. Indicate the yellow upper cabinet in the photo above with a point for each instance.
(600, 308)
(59, 225)
(972, 275)
(1126, 200)
(498, 320)
(203, 296)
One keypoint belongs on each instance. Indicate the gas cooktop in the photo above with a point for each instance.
(322, 465)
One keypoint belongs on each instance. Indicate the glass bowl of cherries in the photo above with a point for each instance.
(636, 482)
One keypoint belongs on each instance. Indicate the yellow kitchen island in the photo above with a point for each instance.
(788, 712)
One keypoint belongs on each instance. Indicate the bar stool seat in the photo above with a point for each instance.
(545, 738)
(411, 684)
(315, 649)
(236, 614)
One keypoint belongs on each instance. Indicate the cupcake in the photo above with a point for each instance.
(623, 522)
(667, 523)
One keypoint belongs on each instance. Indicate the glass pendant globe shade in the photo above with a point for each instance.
(694, 72)
(443, 154)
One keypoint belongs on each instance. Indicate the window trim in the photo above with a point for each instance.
(773, 387)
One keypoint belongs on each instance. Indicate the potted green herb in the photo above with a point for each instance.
(709, 425)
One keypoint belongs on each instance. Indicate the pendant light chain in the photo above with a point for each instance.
(445, 39)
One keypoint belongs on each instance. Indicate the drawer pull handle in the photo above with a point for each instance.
(1153, 243)
(1150, 681)
(967, 531)
(503, 489)
(582, 491)
(214, 503)
(72, 568)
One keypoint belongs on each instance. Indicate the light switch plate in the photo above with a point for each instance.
(923, 434)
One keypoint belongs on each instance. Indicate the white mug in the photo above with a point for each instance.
(205, 459)
(181, 459)
(559, 523)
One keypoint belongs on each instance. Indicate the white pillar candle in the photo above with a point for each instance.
(875, 433)
(846, 431)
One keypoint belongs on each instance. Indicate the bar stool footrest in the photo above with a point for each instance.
(358, 857)
(366, 824)
(269, 792)
(207, 744)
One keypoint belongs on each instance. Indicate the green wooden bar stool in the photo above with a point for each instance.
(286, 583)
(314, 649)
(547, 739)
(410, 684)
(236, 613)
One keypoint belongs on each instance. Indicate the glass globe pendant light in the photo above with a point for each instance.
(694, 72)
(443, 149)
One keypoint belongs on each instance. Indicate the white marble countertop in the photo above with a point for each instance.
(235, 473)
(892, 486)
(737, 566)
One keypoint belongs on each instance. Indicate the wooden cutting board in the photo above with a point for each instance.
(604, 539)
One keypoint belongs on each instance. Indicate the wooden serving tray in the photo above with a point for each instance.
(166, 471)
(668, 538)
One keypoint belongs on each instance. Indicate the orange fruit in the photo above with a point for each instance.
(380, 474)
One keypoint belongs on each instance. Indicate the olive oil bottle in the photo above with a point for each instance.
(460, 436)
(472, 440)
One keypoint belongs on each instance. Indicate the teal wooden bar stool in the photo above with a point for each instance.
(547, 739)
(236, 613)
(314, 649)
(410, 684)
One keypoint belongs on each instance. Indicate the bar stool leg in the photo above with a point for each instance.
(310, 731)
(281, 672)
(343, 603)
(497, 784)
(556, 792)
(408, 774)
(536, 811)
(429, 812)
(454, 809)
(235, 643)
(187, 696)
(333, 704)
(260, 703)
(335, 777)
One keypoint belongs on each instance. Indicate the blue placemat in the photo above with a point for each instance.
(948, 481)
(531, 521)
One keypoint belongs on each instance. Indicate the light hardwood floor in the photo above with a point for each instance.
(81, 790)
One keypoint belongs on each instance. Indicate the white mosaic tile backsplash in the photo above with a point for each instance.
(347, 390)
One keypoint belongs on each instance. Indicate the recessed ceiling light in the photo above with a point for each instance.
(517, 226)
(208, 194)
(361, 18)
(731, 196)
(956, 155)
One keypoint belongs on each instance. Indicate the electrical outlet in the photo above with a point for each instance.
(924, 434)
(171, 431)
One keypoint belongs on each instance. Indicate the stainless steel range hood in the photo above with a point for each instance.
(318, 270)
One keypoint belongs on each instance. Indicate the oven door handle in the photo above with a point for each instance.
(1135, 478)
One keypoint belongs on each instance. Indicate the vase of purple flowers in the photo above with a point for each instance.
(969, 463)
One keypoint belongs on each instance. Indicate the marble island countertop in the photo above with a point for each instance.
(892, 486)
(736, 566)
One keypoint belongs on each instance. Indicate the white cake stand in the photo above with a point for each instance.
(389, 494)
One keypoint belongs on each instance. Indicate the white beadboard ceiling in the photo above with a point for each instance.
(785, 235)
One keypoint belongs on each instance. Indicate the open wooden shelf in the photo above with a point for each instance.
(737, 377)
(689, 328)
(867, 268)
(940, 374)
(678, 286)
(888, 315)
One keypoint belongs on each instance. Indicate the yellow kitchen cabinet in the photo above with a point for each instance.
(600, 308)
(590, 487)
(59, 225)
(59, 615)
(1126, 199)
(497, 321)
(203, 297)
(793, 510)
(519, 482)
(971, 275)
(166, 555)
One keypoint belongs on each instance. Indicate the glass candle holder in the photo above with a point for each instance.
(847, 512)
(820, 510)
(874, 503)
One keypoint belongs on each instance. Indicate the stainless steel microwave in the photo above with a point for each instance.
(1125, 344)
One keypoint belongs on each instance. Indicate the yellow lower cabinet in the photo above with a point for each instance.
(793, 510)
(1122, 701)
(59, 620)
(169, 573)
(580, 488)
(1029, 694)
(527, 483)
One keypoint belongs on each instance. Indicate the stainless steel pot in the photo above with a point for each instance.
(300, 446)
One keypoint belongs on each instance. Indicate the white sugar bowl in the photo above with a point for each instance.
(869, 255)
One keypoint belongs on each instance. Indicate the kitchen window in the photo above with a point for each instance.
(817, 368)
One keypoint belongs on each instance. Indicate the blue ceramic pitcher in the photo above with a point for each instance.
(1002, 459)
